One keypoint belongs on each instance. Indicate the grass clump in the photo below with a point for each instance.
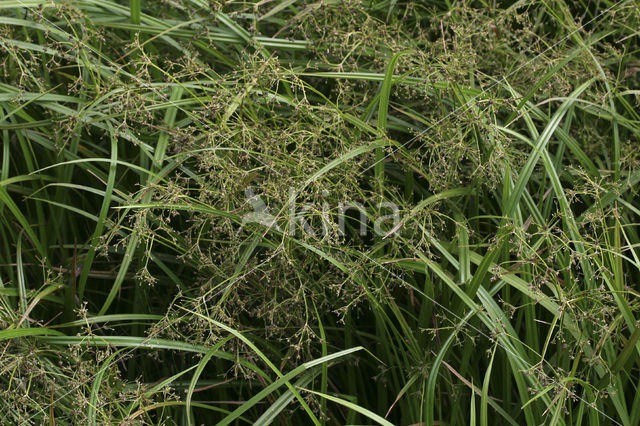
(334, 212)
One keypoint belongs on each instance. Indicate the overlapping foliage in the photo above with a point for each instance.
(135, 132)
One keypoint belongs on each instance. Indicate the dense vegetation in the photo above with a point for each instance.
(140, 140)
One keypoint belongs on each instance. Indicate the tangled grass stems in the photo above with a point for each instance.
(136, 130)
